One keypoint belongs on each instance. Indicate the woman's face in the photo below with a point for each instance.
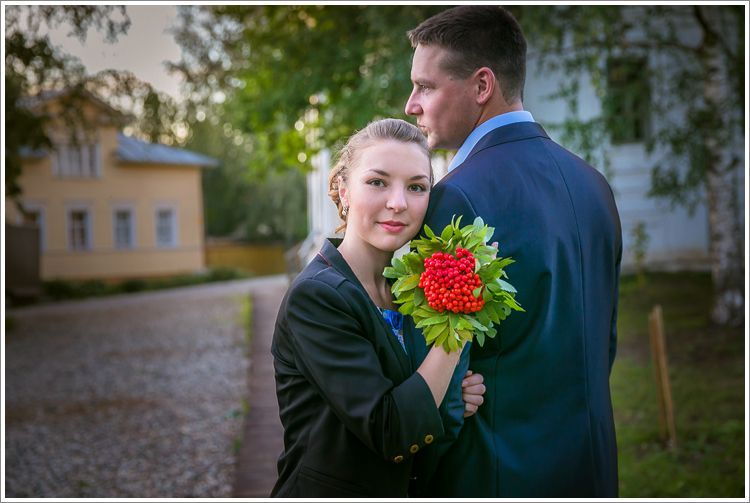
(387, 194)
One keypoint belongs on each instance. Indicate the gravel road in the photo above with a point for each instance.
(136, 396)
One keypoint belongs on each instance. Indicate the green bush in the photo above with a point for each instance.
(133, 285)
(91, 288)
(59, 289)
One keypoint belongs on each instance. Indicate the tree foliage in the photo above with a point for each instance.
(299, 77)
(580, 42)
(236, 202)
(33, 65)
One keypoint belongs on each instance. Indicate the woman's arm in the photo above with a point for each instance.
(326, 327)
(437, 370)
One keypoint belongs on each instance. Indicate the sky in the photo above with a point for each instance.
(141, 51)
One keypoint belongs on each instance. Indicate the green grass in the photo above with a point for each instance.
(246, 317)
(60, 289)
(707, 377)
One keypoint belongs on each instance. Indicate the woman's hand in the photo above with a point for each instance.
(472, 391)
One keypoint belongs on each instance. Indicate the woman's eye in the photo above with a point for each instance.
(417, 188)
(376, 183)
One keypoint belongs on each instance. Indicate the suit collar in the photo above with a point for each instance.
(332, 257)
(506, 134)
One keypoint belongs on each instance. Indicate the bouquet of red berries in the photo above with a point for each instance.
(452, 285)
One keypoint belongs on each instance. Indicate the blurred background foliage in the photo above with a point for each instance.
(277, 83)
(266, 87)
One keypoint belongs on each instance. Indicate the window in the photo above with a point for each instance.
(628, 99)
(76, 161)
(79, 228)
(123, 225)
(34, 216)
(166, 226)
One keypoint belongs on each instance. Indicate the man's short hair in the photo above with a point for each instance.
(476, 36)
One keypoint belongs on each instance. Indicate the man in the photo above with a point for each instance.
(546, 427)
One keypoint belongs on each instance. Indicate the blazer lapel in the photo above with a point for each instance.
(332, 256)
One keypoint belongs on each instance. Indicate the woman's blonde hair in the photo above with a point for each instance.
(380, 130)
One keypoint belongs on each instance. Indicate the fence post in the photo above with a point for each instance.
(661, 375)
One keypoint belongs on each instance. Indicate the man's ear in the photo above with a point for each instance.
(486, 84)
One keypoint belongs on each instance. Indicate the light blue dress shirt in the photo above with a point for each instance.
(484, 128)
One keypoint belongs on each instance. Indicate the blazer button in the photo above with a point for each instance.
(398, 459)
(414, 448)
(428, 439)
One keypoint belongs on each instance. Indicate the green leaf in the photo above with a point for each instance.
(488, 235)
(413, 262)
(487, 295)
(476, 291)
(472, 243)
(447, 233)
(409, 283)
(453, 317)
(390, 272)
(441, 336)
(465, 334)
(480, 338)
(491, 308)
(494, 287)
(479, 326)
(506, 286)
(406, 309)
(484, 250)
(478, 222)
(483, 317)
(432, 321)
(419, 297)
(452, 341)
(398, 265)
(428, 232)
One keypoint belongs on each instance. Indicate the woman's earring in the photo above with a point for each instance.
(343, 212)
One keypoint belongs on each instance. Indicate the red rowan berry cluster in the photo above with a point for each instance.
(448, 282)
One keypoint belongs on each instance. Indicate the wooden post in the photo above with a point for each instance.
(661, 374)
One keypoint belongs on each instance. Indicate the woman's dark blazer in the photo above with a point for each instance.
(354, 410)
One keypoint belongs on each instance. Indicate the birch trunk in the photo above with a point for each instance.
(721, 190)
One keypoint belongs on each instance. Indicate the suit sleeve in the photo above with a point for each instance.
(341, 364)
(613, 327)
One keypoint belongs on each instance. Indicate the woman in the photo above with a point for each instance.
(354, 409)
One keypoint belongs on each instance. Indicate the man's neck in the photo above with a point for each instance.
(497, 109)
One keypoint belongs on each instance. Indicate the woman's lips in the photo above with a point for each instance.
(392, 226)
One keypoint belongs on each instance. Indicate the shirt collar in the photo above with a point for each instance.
(483, 129)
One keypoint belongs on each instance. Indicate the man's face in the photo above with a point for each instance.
(445, 107)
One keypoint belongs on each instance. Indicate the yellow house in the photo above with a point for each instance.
(110, 206)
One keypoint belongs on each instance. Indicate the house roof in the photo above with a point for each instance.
(137, 151)
(52, 95)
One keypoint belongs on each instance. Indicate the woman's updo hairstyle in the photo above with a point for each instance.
(380, 130)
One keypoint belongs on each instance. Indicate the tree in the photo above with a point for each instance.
(236, 202)
(299, 77)
(33, 65)
(694, 68)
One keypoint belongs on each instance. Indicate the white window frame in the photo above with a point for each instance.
(41, 208)
(85, 207)
(130, 207)
(171, 206)
(61, 150)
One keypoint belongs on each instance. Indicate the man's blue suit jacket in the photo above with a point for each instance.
(546, 427)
